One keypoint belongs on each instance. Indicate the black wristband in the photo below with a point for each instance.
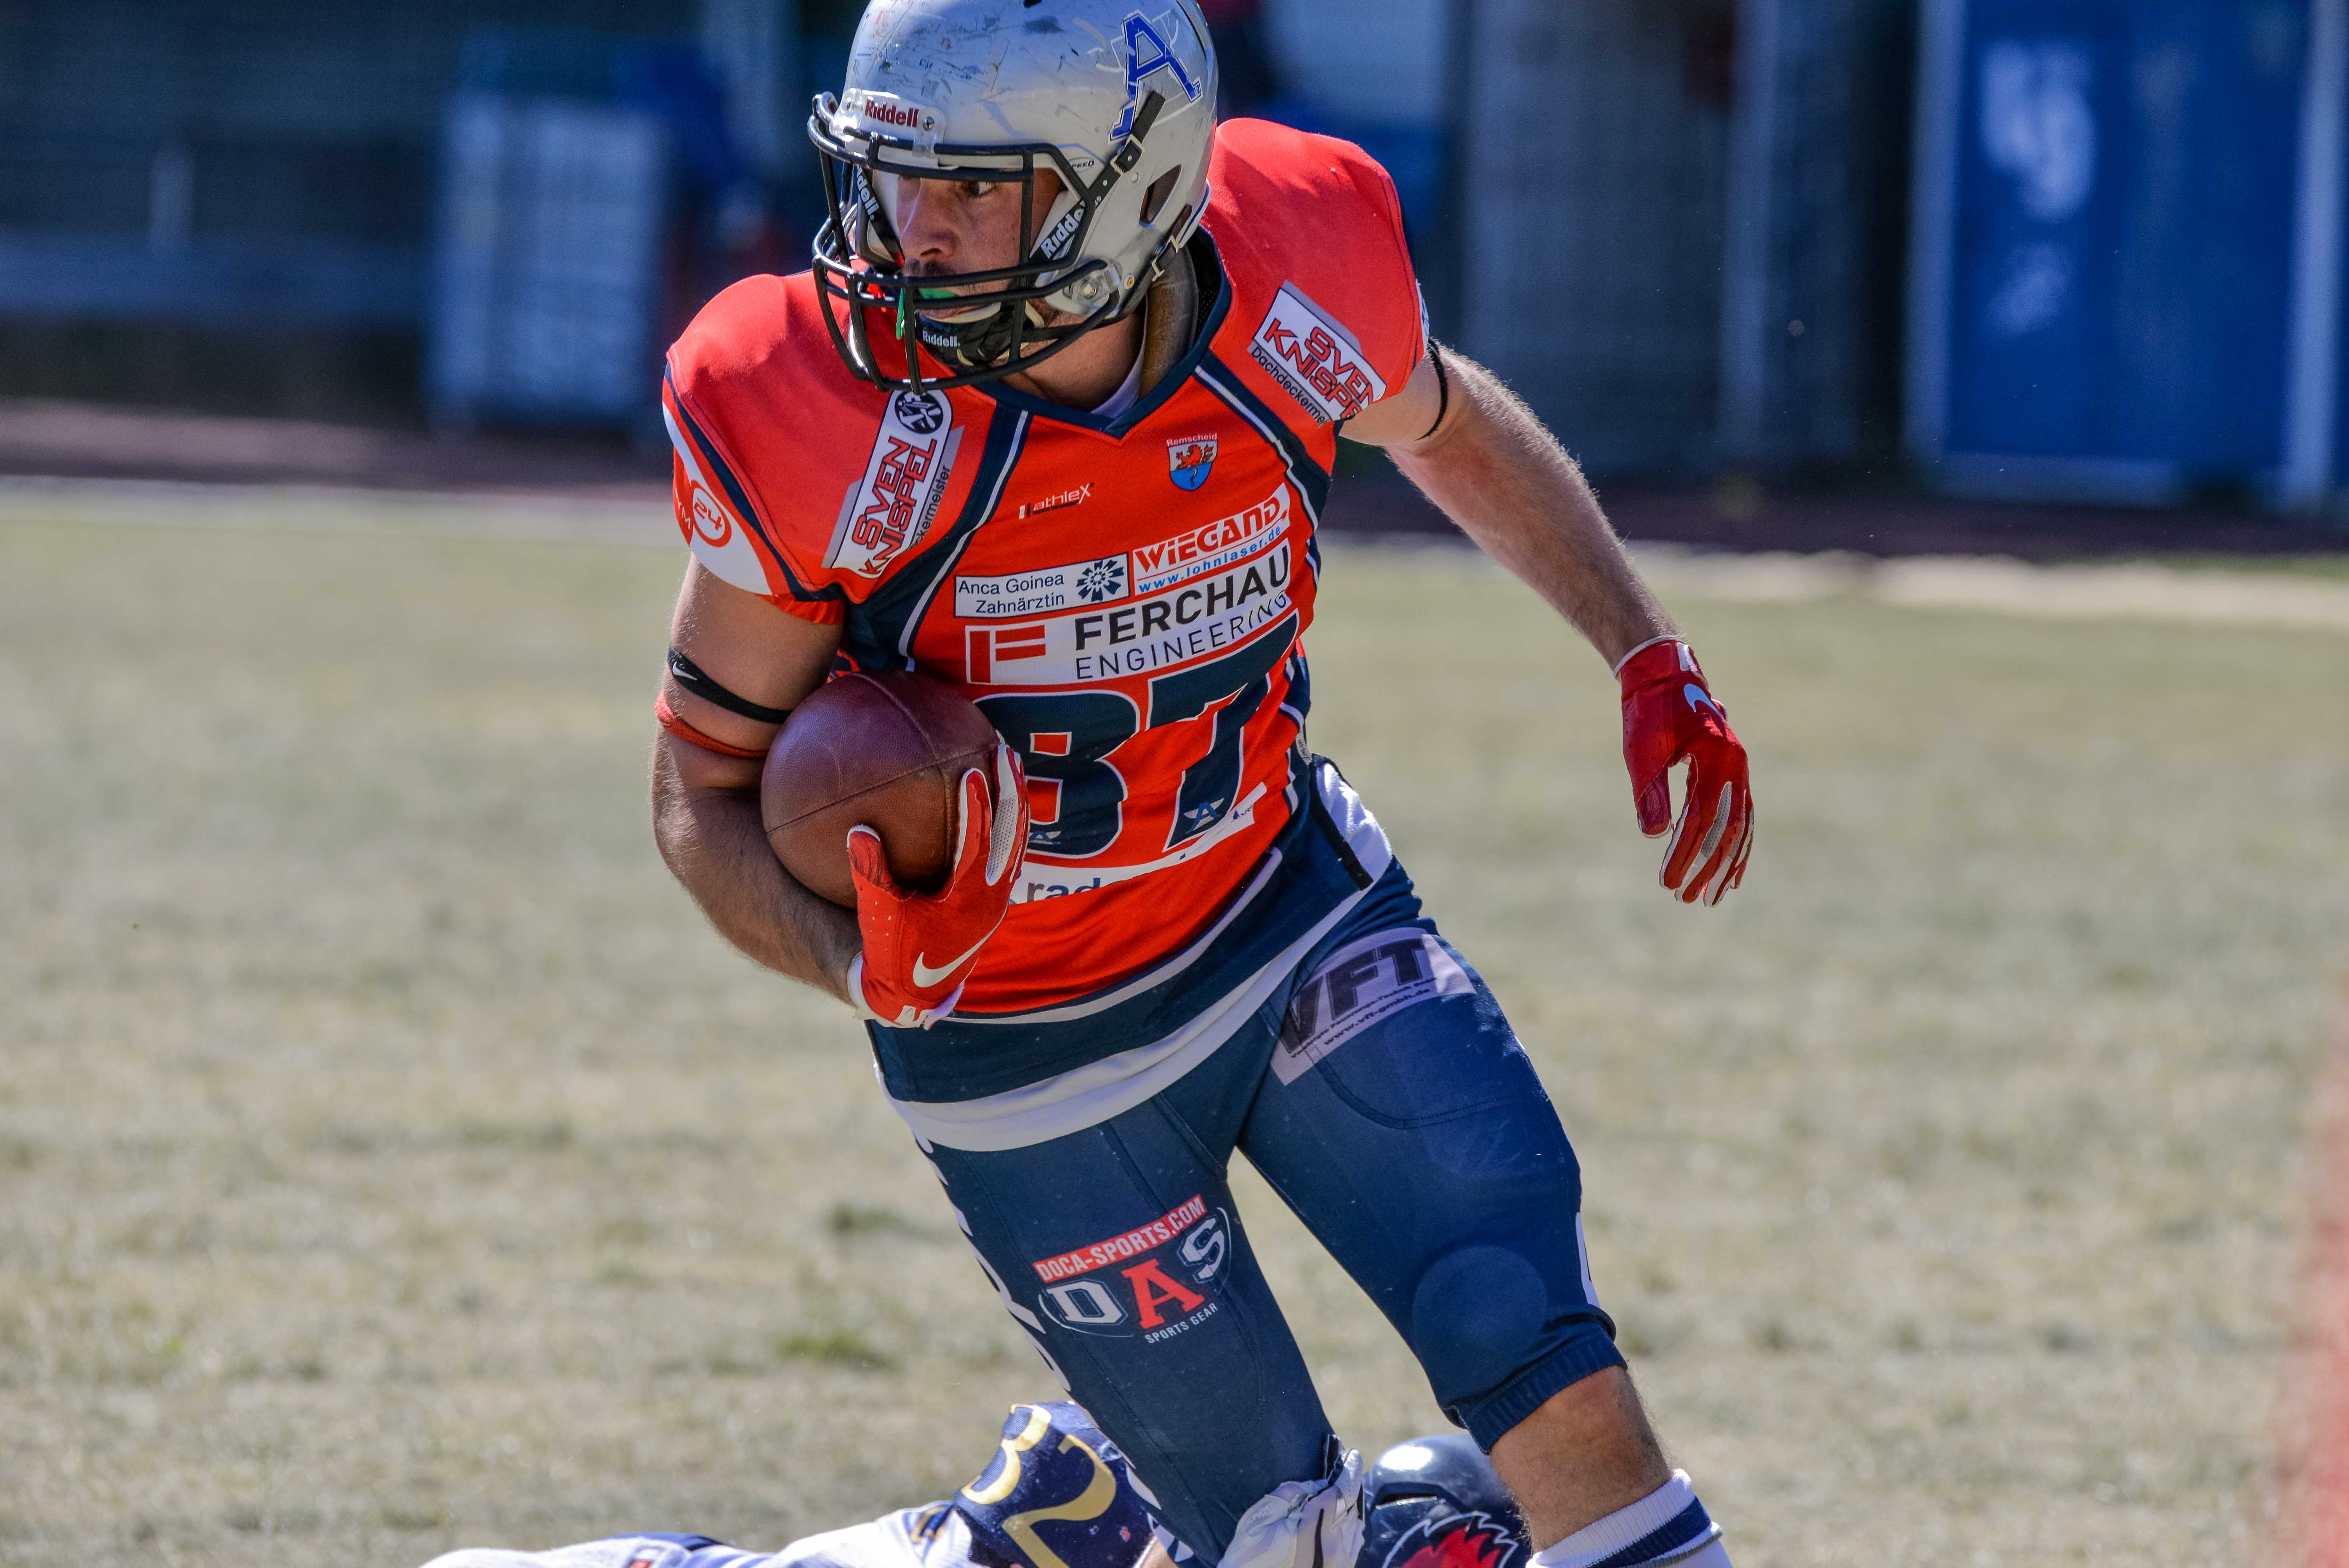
(689, 676)
(1442, 386)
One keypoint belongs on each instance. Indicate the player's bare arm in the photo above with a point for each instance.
(707, 761)
(1509, 485)
(1475, 448)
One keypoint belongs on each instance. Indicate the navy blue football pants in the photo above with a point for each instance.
(1411, 1135)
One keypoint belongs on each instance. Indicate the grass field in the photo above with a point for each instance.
(390, 1159)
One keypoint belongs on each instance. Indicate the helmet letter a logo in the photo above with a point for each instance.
(1145, 55)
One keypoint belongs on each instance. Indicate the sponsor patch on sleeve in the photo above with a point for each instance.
(1315, 359)
(1361, 984)
(886, 513)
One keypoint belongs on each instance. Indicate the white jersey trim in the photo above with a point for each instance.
(1098, 1091)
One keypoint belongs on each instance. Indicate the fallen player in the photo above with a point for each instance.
(1059, 1495)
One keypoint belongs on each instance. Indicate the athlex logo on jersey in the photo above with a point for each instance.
(889, 510)
(1067, 497)
(1317, 361)
(1208, 549)
(1034, 592)
(1359, 985)
(1208, 616)
(1154, 1281)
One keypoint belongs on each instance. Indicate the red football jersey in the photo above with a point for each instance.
(1124, 598)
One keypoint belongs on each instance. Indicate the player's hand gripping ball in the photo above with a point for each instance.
(1670, 716)
(920, 948)
(878, 796)
(887, 750)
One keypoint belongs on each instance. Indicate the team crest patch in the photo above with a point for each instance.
(1359, 985)
(887, 512)
(1154, 1281)
(1315, 359)
(1190, 459)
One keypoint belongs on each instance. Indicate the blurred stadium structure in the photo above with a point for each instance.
(2086, 250)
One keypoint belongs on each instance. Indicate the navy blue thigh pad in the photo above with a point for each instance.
(1405, 1124)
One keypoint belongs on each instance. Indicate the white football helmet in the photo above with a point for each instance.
(1117, 96)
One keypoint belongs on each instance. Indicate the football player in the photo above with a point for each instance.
(1058, 1494)
(1051, 421)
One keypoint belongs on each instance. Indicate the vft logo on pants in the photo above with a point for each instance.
(1154, 1282)
(1357, 986)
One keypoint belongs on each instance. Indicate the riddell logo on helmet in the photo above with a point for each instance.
(874, 108)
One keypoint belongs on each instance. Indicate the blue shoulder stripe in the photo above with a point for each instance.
(1312, 480)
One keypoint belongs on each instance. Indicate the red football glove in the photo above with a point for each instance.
(920, 948)
(1670, 716)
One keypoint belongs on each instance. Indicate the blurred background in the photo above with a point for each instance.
(2086, 252)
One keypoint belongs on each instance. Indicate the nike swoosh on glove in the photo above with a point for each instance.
(920, 948)
(1669, 717)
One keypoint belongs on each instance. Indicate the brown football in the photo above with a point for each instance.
(885, 750)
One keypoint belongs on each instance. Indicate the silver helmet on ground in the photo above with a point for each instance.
(1117, 98)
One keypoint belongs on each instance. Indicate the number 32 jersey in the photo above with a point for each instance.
(1124, 599)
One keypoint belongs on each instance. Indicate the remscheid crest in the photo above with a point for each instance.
(1190, 459)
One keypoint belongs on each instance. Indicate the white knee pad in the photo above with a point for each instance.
(1303, 1523)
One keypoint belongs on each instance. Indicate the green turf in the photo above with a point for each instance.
(390, 1159)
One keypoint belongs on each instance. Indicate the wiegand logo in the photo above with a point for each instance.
(887, 512)
(1211, 547)
(1316, 360)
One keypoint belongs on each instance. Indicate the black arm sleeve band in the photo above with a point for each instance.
(1442, 386)
(689, 676)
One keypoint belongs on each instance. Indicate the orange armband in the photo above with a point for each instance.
(676, 726)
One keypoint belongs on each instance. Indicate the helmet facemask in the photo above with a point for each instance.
(1043, 304)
